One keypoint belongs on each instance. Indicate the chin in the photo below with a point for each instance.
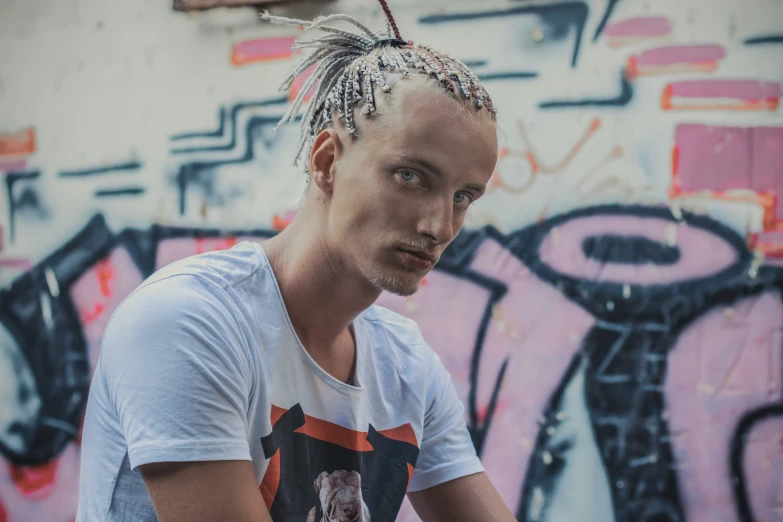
(394, 282)
(402, 288)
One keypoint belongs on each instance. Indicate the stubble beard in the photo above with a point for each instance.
(392, 283)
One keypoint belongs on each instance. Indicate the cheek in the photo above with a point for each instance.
(378, 207)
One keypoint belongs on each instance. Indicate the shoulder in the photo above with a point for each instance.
(183, 314)
(193, 290)
(202, 282)
(222, 268)
(400, 339)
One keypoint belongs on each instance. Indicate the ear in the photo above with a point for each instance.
(318, 481)
(326, 150)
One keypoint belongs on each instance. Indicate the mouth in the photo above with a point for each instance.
(417, 260)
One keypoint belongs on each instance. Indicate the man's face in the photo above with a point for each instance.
(402, 189)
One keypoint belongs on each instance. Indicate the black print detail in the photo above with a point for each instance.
(308, 464)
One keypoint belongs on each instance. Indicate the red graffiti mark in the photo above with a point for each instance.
(105, 274)
(735, 95)
(281, 221)
(19, 142)
(104, 271)
(732, 164)
(522, 179)
(91, 315)
(3, 513)
(210, 245)
(261, 50)
(768, 243)
(675, 59)
(516, 179)
(35, 482)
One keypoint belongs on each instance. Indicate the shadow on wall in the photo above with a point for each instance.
(616, 357)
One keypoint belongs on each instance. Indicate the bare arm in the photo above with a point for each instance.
(205, 491)
(467, 499)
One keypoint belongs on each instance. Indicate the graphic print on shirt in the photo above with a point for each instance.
(322, 472)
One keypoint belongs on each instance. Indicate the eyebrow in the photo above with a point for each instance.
(426, 165)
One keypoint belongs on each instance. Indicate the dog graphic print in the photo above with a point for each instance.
(340, 494)
(322, 472)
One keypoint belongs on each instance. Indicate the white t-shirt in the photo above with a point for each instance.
(202, 363)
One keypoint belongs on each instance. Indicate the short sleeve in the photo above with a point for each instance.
(447, 451)
(178, 372)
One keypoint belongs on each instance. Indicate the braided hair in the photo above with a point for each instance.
(349, 66)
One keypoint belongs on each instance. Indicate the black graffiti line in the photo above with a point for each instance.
(610, 5)
(120, 167)
(10, 179)
(524, 245)
(521, 243)
(578, 11)
(603, 377)
(508, 75)
(766, 39)
(205, 134)
(55, 352)
(550, 416)
(497, 290)
(235, 110)
(189, 171)
(621, 100)
(126, 191)
(738, 445)
(723, 288)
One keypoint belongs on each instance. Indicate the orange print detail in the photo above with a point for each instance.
(271, 481)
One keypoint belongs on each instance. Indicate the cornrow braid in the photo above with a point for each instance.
(350, 65)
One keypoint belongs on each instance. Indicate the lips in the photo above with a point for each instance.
(416, 260)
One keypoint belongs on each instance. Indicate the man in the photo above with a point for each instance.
(261, 383)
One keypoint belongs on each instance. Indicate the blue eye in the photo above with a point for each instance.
(410, 177)
(462, 199)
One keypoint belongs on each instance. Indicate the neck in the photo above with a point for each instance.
(322, 295)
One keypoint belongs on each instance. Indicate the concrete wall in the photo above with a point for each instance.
(611, 315)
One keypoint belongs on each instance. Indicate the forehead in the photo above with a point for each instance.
(418, 117)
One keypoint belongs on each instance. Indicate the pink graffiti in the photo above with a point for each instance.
(637, 27)
(764, 451)
(566, 255)
(769, 243)
(726, 363)
(49, 492)
(95, 299)
(720, 158)
(261, 50)
(723, 366)
(747, 95)
(13, 166)
(675, 58)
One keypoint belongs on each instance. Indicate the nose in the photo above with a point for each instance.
(437, 223)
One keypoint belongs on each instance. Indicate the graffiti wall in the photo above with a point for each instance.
(612, 313)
